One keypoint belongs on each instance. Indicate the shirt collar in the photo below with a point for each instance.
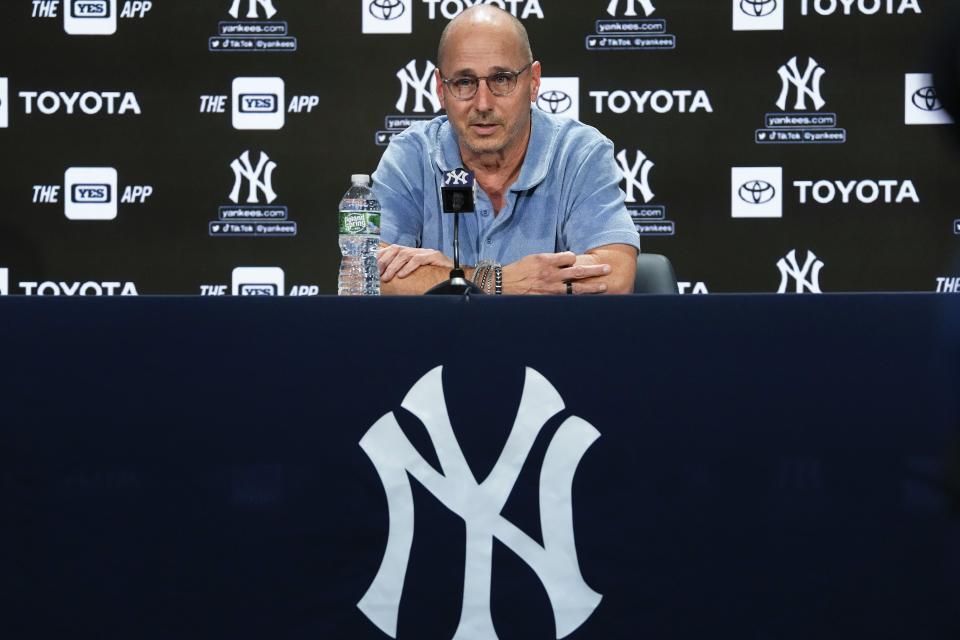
(540, 150)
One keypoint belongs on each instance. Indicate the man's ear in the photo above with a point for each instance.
(535, 73)
(440, 92)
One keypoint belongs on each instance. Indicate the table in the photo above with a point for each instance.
(706, 466)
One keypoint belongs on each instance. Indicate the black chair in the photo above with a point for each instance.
(654, 275)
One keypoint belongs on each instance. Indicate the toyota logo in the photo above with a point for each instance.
(757, 192)
(758, 8)
(926, 99)
(387, 9)
(554, 102)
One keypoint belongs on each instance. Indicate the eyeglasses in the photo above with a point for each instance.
(502, 83)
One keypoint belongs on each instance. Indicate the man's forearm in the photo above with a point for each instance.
(420, 281)
(623, 262)
(618, 282)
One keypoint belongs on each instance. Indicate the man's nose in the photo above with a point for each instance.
(484, 99)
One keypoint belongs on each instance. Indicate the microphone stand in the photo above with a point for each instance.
(457, 285)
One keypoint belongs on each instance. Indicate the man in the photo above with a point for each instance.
(549, 207)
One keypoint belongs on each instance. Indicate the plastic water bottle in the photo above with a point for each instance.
(359, 240)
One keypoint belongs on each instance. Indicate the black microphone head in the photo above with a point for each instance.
(458, 191)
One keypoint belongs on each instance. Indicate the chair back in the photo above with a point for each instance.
(655, 275)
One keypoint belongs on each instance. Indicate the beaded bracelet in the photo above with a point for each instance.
(481, 277)
(482, 274)
(487, 281)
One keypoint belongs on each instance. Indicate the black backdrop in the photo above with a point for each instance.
(163, 53)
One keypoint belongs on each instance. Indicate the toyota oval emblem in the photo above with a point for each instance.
(757, 192)
(555, 102)
(926, 99)
(387, 9)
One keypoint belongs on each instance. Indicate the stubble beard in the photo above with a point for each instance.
(513, 134)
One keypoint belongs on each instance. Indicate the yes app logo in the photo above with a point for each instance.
(90, 193)
(90, 17)
(258, 103)
(258, 281)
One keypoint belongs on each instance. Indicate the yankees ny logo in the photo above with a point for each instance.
(807, 84)
(261, 178)
(807, 277)
(423, 87)
(641, 167)
(267, 5)
(480, 505)
(631, 11)
(455, 177)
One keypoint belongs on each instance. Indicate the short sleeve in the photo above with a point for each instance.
(598, 215)
(398, 185)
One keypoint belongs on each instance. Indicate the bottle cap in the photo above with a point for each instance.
(360, 178)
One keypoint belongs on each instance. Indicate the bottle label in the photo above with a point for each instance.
(359, 223)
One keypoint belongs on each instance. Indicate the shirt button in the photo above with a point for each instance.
(489, 241)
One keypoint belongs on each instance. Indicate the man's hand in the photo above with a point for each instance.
(548, 273)
(398, 261)
(607, 269)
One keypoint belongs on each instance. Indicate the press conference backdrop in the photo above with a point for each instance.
(182, 147)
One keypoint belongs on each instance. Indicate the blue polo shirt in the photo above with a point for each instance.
(566, 198)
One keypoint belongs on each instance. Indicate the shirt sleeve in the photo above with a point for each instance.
(598, 215)
(398, 185)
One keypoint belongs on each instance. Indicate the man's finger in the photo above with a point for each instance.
(580, 272)
(395, 266)
(564, 259)
(412, 265)
(588, 288)
(386, 257)
(385, 254)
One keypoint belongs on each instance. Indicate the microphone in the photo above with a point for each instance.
(458, 190)
(458, 195)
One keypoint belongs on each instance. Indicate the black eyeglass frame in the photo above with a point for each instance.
(514, 75)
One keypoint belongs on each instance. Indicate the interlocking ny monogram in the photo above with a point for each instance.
(480, 505)
(631, 7)
(807, 84)
(259, 178)
(640, 168)
(807, 277)
(422, 85)
(455, 177)
(267, 5)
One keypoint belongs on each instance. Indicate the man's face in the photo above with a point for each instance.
(487, 123)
